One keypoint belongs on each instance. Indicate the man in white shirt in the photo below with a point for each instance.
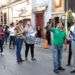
(12, 35)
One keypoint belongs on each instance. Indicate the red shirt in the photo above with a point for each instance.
(1, 33)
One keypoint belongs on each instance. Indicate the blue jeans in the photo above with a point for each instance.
(57, 56)
(19, 42)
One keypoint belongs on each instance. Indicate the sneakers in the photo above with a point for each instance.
(56, 71)
(73, 71)
(33, 59)
(61, 68)
(68, 65)
(20, 61)
(1, 53)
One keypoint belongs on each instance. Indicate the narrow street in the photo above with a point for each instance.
(43, 65)
(39, 22)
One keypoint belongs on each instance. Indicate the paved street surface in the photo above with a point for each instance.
(43, 65)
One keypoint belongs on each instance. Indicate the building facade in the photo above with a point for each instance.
(70, 4)
(14, 10)
(41, 13)
(58, 8)
(38, 11)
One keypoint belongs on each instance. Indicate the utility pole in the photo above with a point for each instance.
(66, 26)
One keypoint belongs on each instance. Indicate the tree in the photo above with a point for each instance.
(70, 18)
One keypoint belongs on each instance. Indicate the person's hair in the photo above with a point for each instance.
(12, 24)
(50, 21)
(0, 25)
(20, 21)
(56, 20)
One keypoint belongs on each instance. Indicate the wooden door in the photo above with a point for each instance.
(39, 20)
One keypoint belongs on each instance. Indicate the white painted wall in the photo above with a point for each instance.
(33, 19)
(10, 15)
(48, 12)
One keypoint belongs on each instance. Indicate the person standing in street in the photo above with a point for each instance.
(70, 49)
(6, 34)
(1, 39)
(19, 41)
(48, 35)
(59, 37)
(12, 36)
(30, 40)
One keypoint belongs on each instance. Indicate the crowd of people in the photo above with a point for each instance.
(19, 33)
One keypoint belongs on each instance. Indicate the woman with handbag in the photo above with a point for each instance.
(30, 40)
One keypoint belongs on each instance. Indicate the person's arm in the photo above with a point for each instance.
(18, 31)
(51, 28)
(65, 45)
(65, 41)
(35, 32)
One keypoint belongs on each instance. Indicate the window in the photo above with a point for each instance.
(57, 3)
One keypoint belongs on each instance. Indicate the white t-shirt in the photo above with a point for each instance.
(72, 29)
(30, 34)
(12, 31)
(30, 31)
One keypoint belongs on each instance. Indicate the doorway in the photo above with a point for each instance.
(39, 21)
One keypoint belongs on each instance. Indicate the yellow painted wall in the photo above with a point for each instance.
(59, 8)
